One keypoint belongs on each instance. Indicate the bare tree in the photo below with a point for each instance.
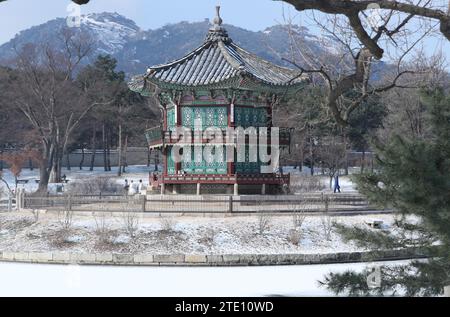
(102, 228)
(44, 91)
(264, 221)
(327, 224)
(407, 115)
(331, 155)
(65, 219)
(299, 216)
(130, 223)
(168, 223)
(353, 9)
(348, 75)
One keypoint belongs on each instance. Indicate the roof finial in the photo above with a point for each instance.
(217, 32)
(218, 20)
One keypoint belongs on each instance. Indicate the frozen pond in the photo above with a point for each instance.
(58, 280)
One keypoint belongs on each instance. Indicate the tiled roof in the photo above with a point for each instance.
(215, 61)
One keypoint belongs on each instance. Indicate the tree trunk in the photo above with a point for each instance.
(30, 164)
(105, 163)
(94, 148)
(125, 154)
(311, 155)
(44, 168)
(82, 158)
(302, 158)
(55, 173)
(119, 150)
(1, 153)
(108, 149)
(68, 162)
(363, 161)
(44, 177)
(149, 155)
(346, 154)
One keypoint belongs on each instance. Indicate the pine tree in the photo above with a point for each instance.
(413, 178)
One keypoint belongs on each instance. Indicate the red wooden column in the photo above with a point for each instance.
(178, 124)
(231, 124)
(164, 149)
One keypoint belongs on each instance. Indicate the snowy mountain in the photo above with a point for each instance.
(109, 31)
(136, 49)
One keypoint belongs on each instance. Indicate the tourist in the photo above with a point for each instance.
(132, 189)
(126, 188)
(141, 187)
(337, 187)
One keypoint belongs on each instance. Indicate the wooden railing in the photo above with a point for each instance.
(307, 203)
(270, 179)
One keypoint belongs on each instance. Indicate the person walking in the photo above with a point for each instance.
(337, 187)
(141, 187)
(132, 189)
(126, 187)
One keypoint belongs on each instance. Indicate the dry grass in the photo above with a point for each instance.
(16, 225)
(208, 237)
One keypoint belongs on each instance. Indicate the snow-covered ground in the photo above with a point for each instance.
(61, 281)
(178, 235)
(136, 173)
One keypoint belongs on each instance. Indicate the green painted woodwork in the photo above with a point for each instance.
(248, 167)
(171, 169)
(200, 166)
(210, 117)
(171, 122)
(250, 117)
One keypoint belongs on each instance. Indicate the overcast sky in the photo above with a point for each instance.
(256, 15)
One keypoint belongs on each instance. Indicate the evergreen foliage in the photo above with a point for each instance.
(413, 177)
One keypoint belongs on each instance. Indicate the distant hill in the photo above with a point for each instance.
(136, 49)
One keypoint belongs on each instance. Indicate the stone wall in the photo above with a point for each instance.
(207, 260)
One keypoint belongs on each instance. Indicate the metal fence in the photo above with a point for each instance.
(317, 202)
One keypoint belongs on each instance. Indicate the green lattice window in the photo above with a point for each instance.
(208, 116)
(211, 161)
